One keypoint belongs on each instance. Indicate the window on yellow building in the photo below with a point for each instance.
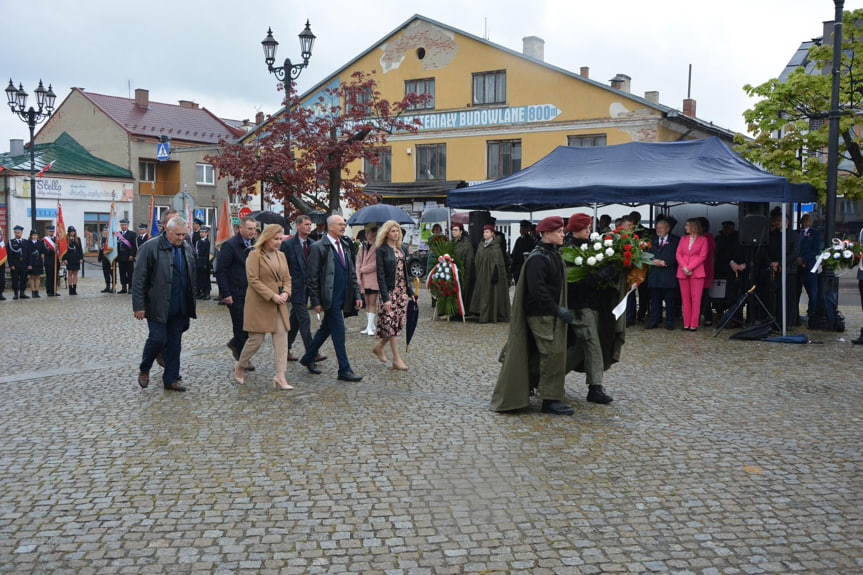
(204, 175)
(382, 169)
(431, 162)
(586, 141)
(421, 87)
(489, 87)
(363, 100)
(147, 171)
(504, 158)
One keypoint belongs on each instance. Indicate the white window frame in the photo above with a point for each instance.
(211, 181)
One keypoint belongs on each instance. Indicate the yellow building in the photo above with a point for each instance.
(494, 110)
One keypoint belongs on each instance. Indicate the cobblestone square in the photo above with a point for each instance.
(716, 456)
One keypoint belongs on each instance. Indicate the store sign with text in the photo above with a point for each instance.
(72, 189)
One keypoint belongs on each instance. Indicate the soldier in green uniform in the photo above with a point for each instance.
(535, 353)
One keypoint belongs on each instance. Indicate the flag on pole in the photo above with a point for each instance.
(62, 242)
(46, 168)
(154, 220)
(3, 255)
(224, 232)
(111, 249)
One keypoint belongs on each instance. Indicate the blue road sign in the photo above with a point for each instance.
(199, 214)
(163, 151)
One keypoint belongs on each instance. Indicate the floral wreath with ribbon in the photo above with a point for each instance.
(444, 285)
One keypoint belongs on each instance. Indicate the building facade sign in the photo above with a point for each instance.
(73, 189)
(486, 117)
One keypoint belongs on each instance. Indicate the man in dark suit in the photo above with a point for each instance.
(810, 249)
(49, 245)
(142, 236)
(126, 251)
(662, 276)
(202, 263)
(296, 250)
(231, 276)
(18, 252)
(331, 283)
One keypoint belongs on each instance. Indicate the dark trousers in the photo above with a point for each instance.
(125, 270)
(19, 279)
(657, 297)
(809, 281)
(2, 278)
(51, 283)
(165, 338)
(300, 323)
(240, 336)
(202, 275)
(333, 324)
(107, 273)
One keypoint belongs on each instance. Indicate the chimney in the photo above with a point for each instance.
(621, 82)
(188, 104)
(142, 98)
(585, 72)
(652, 97)
(259, 118)
(534, 47)
(689, 107)
(16, 148)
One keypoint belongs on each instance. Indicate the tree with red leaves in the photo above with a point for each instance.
(303, 154)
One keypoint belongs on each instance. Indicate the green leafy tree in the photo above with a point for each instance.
(790, 122)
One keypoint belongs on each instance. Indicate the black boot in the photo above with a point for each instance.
(23, 295)
(15, 296)
(596, 394)
(2, 297)
(73, 290)
(859, 340)
(36, 294)
(556, 407)
(107, 289)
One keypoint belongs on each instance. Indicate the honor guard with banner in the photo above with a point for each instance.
(18, 253)
(50, 253)
(126, 251)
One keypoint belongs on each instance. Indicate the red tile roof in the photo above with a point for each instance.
(177, 122)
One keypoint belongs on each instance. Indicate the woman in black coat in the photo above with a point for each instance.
(72, 258)
(35, 264)
(394, 291)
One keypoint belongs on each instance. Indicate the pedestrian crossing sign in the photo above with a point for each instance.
(163, 151)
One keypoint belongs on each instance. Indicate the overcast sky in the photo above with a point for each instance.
(209, 51)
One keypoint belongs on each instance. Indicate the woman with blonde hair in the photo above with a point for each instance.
(394, 291)
(691, 255)
(267, 309)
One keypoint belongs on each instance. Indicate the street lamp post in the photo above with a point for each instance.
(288, 70)
(17, 98)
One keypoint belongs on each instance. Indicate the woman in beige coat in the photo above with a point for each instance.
(267, 308)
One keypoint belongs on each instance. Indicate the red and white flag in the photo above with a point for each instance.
(62, 242)
(46, 168)
(2, 248)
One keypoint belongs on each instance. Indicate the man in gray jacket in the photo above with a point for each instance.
(163, 288)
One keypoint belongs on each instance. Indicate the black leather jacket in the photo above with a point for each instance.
(387, 271)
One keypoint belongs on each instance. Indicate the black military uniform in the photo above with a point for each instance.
(107, 272)
(126, 250)
(50, 254)
(34, 258)
(142, 236)
(202, 263)
(18, 254)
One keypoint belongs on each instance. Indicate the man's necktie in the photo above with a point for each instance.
(339, 249)
(306, 248)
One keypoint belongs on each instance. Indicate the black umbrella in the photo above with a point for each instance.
(413, 316)
(271, 218)
(379, 213)
(318, 217)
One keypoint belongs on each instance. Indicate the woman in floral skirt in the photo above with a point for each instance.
(394, 291)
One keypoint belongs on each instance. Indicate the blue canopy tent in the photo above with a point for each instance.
(693, 171)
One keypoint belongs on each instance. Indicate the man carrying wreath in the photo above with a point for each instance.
(535, 353)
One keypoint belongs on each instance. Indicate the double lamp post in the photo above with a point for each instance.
(17, 98)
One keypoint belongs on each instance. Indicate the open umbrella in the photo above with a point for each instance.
(413, 316)
(271, 218)
(318, 217)
(379, 213)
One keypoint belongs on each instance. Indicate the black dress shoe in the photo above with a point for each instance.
(234, 351)
(310, 365)
(556, 407)
(175, 387)
(596, 394)
(122, 291)
(349, 376)
(24, 296)
(143, 379)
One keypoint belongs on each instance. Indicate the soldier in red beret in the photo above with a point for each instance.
(535, 353)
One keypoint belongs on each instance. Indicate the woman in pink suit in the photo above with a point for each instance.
(691, 253)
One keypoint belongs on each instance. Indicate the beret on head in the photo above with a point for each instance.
(578, 221)
(488, 227)
(549, 224)
(458, 225)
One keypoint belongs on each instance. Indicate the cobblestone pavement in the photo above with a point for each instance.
(717, 456)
